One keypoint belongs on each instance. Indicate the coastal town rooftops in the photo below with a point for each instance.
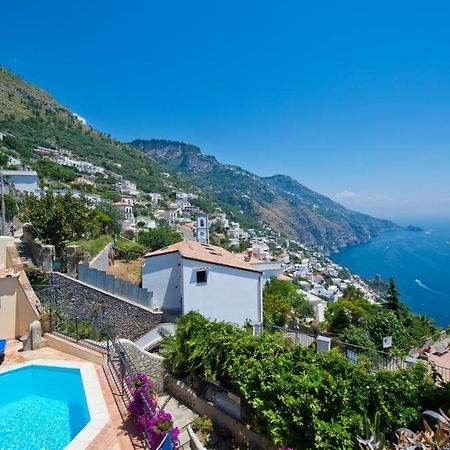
(121, 204)
(205, 253)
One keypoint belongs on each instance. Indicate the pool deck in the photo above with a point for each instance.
(118, 433)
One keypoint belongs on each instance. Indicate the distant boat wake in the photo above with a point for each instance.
(419, 283)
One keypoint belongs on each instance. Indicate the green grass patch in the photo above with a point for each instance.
(94, 246)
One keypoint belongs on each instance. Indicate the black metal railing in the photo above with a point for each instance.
(374, 359)
(440, 374)
(297, 336)
(86, 328)
(89, 329)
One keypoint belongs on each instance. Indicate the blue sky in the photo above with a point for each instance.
(350, 98)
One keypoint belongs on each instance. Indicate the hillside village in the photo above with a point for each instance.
(315, 276)
(189, 311)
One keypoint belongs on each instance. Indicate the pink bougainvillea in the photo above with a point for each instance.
(155, 423)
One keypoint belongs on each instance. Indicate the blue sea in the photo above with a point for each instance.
(418, 261)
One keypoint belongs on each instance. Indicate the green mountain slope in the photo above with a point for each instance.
(282, 202)
(37, 119)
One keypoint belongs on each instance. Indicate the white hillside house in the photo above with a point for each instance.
(190, 276)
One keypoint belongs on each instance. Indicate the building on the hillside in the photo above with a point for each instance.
(127, 187)
(155, 197)
(317, 303)
(127, 199)
(269, 269)
(126, 209)
(24, 181)
(202, 229)
(82, 166)
(189, 276)
(172, 215)
(85, 180)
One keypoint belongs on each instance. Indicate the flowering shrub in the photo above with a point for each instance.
(158, 427)
(153, 422)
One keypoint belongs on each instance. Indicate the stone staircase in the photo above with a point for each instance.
(24, 253)
(182, 417)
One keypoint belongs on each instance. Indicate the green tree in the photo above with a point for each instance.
(298, 398)
(277, 309)
(393, 297)
(110, 217)
(283, 303)
(158, 238)
(56, 219)
(10, 207)
(353, 293)
(385, 323)
(344, 313)
(3, 160)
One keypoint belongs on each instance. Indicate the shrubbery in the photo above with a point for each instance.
(359, 322)
(296, 397)
(158, 238)
(128, 250)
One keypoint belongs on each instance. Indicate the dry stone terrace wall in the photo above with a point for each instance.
(129, 320)
(151, 364)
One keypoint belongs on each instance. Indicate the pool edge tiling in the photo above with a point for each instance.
(98, 411)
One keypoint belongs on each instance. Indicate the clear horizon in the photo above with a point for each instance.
(349, 99)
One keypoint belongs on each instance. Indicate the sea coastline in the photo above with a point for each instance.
(417, 260)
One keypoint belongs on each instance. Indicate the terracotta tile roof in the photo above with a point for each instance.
(121, 204)
(206, 253)
(284, 277)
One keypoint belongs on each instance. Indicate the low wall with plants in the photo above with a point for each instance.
(296, 397)
(189, 397)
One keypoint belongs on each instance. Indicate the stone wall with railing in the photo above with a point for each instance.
(129, 319)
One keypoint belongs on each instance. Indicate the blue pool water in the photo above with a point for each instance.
(41, 407)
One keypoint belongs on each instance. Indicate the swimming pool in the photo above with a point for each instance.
(46, 407)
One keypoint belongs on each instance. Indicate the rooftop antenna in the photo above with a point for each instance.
(3, 202)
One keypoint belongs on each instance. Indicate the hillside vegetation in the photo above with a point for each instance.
(281, 201)
(36, 119)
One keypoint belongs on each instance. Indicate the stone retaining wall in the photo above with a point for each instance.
(129, 320)
(34, 247)
(151, 364)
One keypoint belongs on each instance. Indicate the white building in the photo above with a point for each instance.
(270, 269)
(189, 276)
(126, 209)
(82, 166)
(317, 303)
(26, 181)
(127, 199)
(155, 197)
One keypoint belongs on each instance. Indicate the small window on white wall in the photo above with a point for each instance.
(201, 276)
